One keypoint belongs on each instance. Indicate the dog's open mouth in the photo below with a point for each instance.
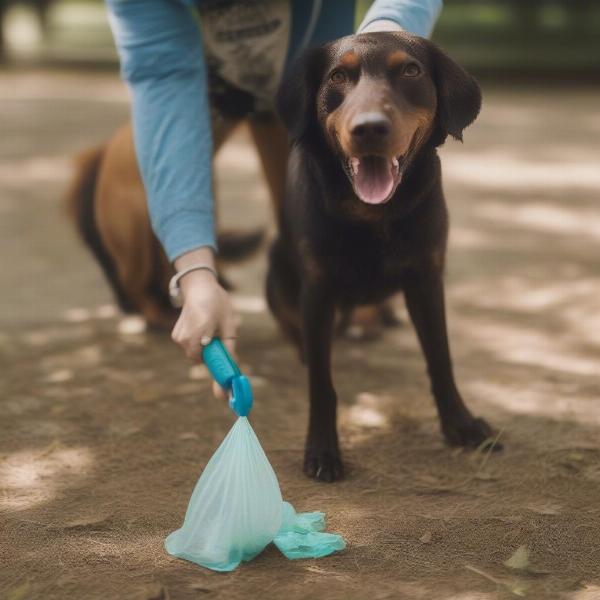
(374, 178)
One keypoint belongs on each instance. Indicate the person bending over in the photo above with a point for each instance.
(192, 68)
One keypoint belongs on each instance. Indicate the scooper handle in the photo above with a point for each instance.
(227, 374)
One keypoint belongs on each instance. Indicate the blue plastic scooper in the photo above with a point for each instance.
(228, 375)
(236, 508)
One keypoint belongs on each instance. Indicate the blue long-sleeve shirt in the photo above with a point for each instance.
(162, 60)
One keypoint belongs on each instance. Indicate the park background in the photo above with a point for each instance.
(104, 428)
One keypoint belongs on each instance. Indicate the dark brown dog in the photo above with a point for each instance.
(364, 213)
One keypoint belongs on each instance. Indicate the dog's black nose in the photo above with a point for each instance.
(373, 125)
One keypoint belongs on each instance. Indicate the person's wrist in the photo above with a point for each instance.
(199, 279)
(204, 256)
(195, 270)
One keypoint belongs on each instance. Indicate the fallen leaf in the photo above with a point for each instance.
(426, 537)
(519, 560)
(188, 435)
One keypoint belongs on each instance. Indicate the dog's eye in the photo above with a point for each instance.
(411, 70)
(339, 76)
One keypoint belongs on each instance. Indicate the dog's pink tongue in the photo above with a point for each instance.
(373, 179)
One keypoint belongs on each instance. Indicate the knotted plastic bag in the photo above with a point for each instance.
(236, 507)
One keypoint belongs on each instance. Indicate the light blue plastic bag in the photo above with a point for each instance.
(236, 508)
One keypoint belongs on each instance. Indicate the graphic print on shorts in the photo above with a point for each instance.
(246, 44)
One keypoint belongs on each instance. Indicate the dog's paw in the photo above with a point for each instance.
(324, 465)
(471, 432)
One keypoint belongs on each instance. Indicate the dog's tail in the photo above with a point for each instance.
(234, 246)
(80, 201)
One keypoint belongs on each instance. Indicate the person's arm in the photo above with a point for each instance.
(414, 16)
(162, 61)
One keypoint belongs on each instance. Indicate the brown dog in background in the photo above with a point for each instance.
(108, 203)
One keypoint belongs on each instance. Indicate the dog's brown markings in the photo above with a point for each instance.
(420, 122)
(410, 129)
(350, 60)
(331, 128)
(397, 58)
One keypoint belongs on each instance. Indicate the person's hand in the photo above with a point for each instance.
(207, 310)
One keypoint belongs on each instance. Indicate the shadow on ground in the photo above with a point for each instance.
(105, 428)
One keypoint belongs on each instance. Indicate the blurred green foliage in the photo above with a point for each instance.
(520, 35)
(488, 36)
(561, 36)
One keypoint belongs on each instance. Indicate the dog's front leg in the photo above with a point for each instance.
(425, 302)
(322, 455)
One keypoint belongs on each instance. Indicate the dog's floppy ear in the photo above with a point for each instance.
(459, 96)
(296, 97)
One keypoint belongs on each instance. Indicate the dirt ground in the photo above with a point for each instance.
(105, 429)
